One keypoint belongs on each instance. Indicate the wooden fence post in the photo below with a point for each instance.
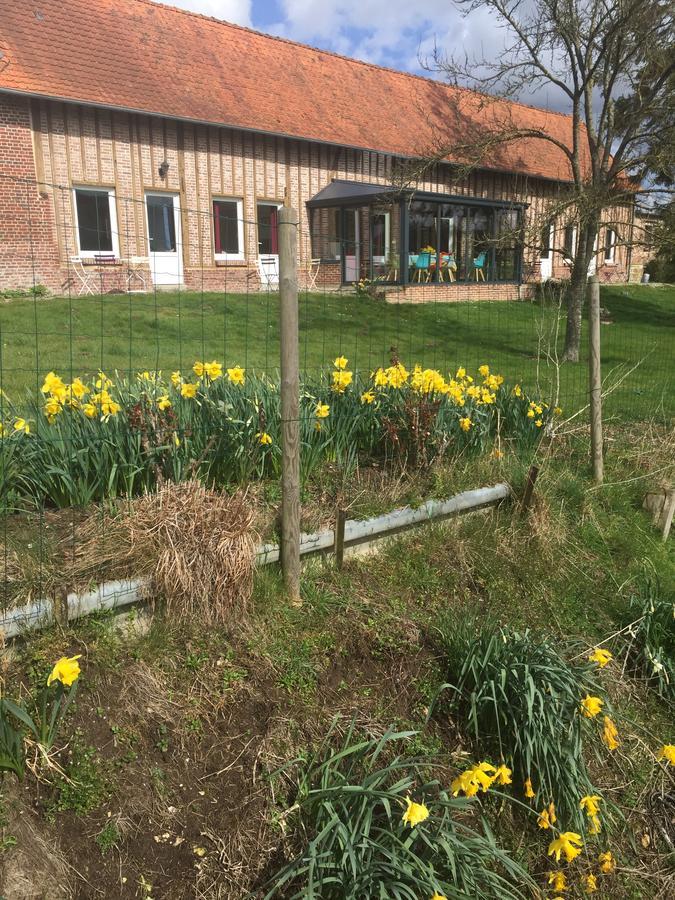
(595, 377)
(340, 521)
(290, 401)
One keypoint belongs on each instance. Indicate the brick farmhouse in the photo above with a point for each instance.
(143, 146)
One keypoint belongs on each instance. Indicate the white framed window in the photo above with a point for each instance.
(228, 228)
(610, 245)
(96, 222)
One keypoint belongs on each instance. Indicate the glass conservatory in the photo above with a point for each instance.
(383, 234)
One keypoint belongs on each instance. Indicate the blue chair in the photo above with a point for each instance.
(422, 264)
(479, 266)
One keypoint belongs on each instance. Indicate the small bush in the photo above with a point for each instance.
(519, 698)
(38, 290)
(650, 646)
(353, 844)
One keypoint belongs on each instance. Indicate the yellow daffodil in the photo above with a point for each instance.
(558, 880)
(600, 656)
(568, 843)
(539, 423)
(198, 369)
(77, 388)
(607, 862)
(479, 777)
(529, 793)
(547, 817)
(264, 438)
(590, 884)
(102, 382)
(367, 397)
(380, 378)
(610, 735)
(89, 410)
(109, 407)
(517, 391)
(341, 380)
(667, 753)
(438, 896)
(188, 390)
(590, 804)
(213, 370)
(164, 402)
(595, 827)
(52, 408)
(465, 423)
(176, 378)
(497, 453)
(236, 375)
(53, 385)
(414, 813)
(397, 375)
(322, 411)
(503, 775)
(557, 411)
(22, 426)
(66, 670)
(484, 371)
(530, 414)
(176, 439)
(340, 362)
(460, 373)
(591, 706)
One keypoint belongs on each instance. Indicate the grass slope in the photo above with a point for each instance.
(79, 335)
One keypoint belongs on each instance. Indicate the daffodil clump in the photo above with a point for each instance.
(367, 818)
(85, 440)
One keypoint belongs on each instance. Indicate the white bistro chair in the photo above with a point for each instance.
(85, 278)
(268, 271)
(137, 266)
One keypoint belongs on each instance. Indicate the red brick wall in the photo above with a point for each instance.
(28, 249)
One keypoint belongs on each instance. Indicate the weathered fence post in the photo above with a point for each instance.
(340, 521)
(595, 377)
(290, 401)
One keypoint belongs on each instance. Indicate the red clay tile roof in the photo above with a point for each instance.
(141, 56)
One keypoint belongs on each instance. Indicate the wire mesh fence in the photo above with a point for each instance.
(139, 345)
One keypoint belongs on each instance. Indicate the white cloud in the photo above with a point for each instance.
(237, 11)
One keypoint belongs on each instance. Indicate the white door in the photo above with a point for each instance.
(164, 238)
(546, 253)
(351, 246)
(268, 239)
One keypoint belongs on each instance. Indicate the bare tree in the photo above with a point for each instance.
(612, 62)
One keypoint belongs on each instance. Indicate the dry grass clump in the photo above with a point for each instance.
(196, 545)
(203, 548)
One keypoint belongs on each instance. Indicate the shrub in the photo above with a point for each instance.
(650, 646)
(517, 697)
(348, 810)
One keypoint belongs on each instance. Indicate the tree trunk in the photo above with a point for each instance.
(577, 292)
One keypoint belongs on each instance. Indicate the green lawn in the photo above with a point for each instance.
(76, 336)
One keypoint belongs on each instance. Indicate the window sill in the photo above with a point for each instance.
(230, 262)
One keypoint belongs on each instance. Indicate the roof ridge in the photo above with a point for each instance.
(352, 59)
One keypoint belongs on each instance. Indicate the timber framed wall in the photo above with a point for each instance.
(63, 144)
